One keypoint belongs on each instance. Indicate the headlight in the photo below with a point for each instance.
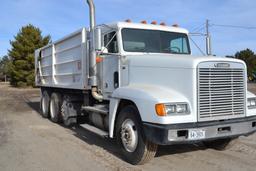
(170, 109)
(251, 103)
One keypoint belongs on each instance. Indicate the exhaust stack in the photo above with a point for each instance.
(93, 81)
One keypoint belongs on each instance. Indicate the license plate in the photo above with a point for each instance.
(196, 134)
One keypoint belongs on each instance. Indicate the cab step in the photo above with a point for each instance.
(95, 130)
(101, 109)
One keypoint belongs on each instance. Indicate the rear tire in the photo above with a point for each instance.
(220, 145)
(55, 107)
(45, 104)
(136, 149)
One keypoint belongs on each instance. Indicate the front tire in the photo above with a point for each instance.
(55, 107)
(136, 149)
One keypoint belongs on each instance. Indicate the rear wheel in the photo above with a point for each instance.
(55, 107)
(136, 149)
(45, 104)
(221, 144)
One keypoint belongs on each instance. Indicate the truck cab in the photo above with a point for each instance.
(180, 98)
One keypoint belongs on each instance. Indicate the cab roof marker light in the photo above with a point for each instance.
(154, 22)
(144, 22)
(128, 21)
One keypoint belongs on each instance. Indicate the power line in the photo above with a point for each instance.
(197, 30)
(207, 35)
(198, 27)
(234, 26)
(197, 46)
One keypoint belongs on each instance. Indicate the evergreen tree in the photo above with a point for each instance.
(28, 39)
(249, 57)
(4, 67)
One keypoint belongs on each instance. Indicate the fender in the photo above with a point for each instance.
(250, 112)
(250, 94)
(145, 98)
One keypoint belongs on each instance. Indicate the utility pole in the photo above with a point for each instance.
(208, 39)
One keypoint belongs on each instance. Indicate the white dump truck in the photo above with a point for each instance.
(140, 84)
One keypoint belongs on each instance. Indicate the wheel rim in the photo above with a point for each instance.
(53, 110)
(129, 135)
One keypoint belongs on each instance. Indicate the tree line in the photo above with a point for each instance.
(249, 57)
(18, 65)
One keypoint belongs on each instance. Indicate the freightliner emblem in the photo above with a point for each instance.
(222, 65)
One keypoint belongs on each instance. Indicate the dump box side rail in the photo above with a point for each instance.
(64, 63)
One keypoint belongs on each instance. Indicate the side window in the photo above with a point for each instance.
(110, 42)
(179, 45)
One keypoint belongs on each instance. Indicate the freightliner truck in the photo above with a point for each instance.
(140, 84)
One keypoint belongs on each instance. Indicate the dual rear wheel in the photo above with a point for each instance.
(45, 103)
(55, 107)
(51, 106)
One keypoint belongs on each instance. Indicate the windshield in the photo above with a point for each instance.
(154, 41)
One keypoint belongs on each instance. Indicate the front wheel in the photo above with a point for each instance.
(136, 149)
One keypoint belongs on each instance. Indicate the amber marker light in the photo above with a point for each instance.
(154, 22)
(99, 59)
(160, 110)
(143, 22)
(162, 24)
(128, 21)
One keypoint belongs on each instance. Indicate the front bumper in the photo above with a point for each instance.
(179, 133)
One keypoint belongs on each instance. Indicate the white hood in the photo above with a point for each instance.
(174, 61)
(170, 79)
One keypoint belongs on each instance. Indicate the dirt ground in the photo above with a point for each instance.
(28, 143)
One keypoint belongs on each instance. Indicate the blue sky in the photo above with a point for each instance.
(61, 17)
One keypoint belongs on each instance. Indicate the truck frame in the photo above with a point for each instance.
(139, 83)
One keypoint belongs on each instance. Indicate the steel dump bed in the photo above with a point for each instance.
(63, 64)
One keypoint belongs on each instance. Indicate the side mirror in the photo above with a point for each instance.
(97, 33)
(104, 50)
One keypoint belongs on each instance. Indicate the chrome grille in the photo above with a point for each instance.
(221, 93)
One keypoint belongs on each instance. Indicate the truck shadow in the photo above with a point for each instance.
(35, 106)
(110, 144)
(33, 103)
(178, 149)
(91, 138)
(81, 133)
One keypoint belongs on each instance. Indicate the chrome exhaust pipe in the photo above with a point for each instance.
(93, 81)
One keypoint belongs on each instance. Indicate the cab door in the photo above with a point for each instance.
(109, 66)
